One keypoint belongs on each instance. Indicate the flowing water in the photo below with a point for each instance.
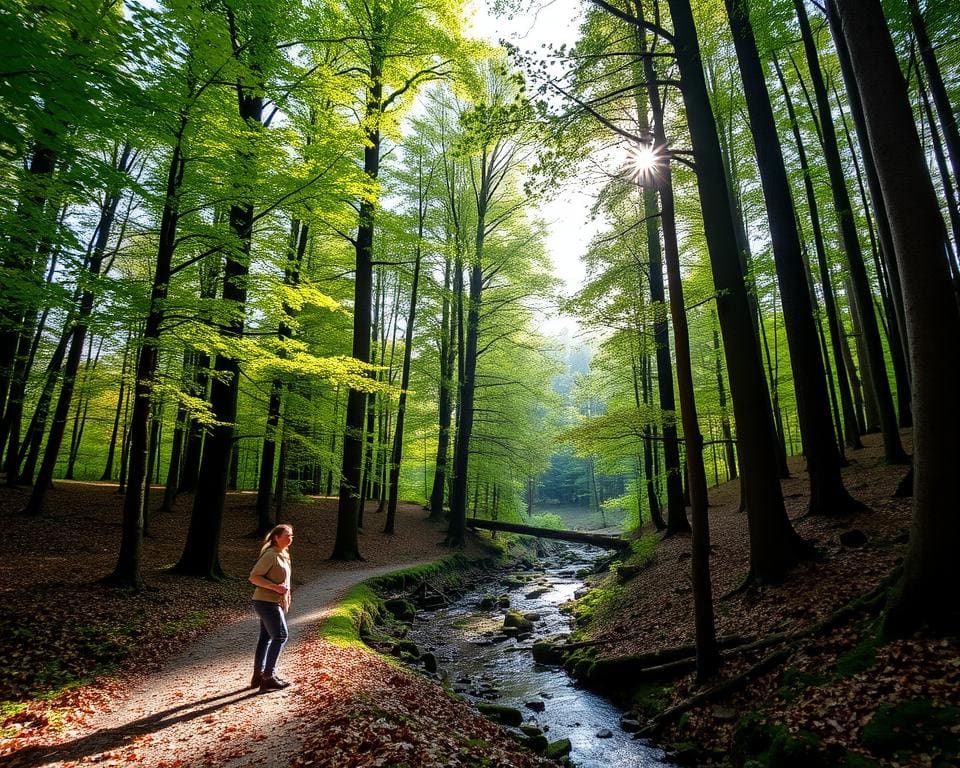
(484, 666)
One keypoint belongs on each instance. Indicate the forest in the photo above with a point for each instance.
(683, 273)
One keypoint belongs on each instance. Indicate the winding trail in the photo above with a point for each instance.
(198, 710)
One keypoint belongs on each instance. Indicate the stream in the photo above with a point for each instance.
(483, 665)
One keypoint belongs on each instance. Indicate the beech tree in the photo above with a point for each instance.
(933, 322)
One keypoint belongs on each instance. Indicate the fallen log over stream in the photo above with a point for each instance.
(580, 537)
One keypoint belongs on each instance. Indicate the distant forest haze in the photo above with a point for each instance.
(299, 248)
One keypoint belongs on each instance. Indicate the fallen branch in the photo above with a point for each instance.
(869, 603)
(733, 683)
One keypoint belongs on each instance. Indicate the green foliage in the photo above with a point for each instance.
(546, 520)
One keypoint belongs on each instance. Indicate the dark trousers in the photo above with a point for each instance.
(273, 636)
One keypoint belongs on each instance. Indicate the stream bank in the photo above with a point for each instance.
(479, 646)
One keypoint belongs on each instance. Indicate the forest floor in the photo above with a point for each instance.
(95, 675)
(839, 697)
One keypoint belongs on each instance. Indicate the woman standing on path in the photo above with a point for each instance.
(271, 601)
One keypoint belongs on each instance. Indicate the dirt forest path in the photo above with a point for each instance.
(198, 710)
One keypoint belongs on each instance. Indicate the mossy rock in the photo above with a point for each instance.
(501, 714)
(429, 662)
(487, 603)
(406, 648)
(914, 725)
(547, 653)
(518, 621)
(401, 609)
(557, 749)
(538, 743)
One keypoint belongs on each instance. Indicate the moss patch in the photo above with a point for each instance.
(191, 621)
(914, 725)
(795, 680)
(356, 612)
(860, 658)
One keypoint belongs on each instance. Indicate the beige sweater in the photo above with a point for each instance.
(274, 566)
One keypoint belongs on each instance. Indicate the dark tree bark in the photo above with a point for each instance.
(827, 493)
(676, 513)
(444, 405)
(728, 441)
(201, 551)
(649, 449)
(938, 90)
(949, 192)
(134, 470)
(347, 546)
(32, 225)
(397, 452)
(933, 324)
(33, 438)
(893, 448)
(850, 423)
(467, 390)
(708, 656)
(885, 264)
(77, 338)
(266, 518)
(774, 546)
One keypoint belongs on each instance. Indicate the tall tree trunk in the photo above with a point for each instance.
(444, 405)
(467, 390)
(134, 470)
(397, 453)
(649, 449)
(31, 228)
(933, 324)
(949, 192)
(265, 511)
(111, 450)
(827, 493)
(893, 448)
(708, 656)
(33, 439)
(201, 551)
(77, 337)
(851, 426)
(346, 546)
(676, 513)
(774, 546)
(730, 450)
(893, 297)
(948, 116)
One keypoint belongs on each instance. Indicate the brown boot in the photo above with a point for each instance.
(257, 680)
(271, 684)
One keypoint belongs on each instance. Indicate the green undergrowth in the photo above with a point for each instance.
(356, 614)
(604, 600)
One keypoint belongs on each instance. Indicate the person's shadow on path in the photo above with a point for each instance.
(115, 738)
